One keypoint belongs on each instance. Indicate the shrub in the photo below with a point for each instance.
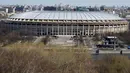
(114, 64)
(34, 61)
(18, 61)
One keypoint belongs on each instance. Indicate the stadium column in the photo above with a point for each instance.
(124, 27)
(26, 27)
(88, 29)
(83, 30)
(116, 28)
(99, 29)
(52, 30)
(109, 28)
(120, 27)
(41, 29)
(36, 30)
(47, 29)
(66, 28)
(94, 30)
(30, 28)
(10, 26)
(18, 26)
(58, 29)
(104, 28)
(71, 29)
(113, 29)
(77, 29)
(63, 29)
(127, 26)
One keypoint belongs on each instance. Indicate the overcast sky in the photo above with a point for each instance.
(71, 2)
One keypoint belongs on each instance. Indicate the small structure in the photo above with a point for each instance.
(109, 42)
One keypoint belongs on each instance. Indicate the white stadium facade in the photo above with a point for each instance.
(42, 23)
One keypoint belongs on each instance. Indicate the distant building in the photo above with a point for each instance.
(128, 19)
(7, 9)
(3, 9)
(66, 23)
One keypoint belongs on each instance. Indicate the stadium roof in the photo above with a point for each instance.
(66, 15)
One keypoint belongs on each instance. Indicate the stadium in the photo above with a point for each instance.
(42, 23)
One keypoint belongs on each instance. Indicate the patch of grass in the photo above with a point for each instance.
(25, 45)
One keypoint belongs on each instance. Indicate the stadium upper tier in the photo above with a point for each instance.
(66, 15)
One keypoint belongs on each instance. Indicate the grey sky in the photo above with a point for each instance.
(71, 2)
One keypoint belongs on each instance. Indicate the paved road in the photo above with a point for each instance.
(111, 52)
(63, 40)
(39, 39)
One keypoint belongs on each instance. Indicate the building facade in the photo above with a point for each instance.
(66, 23)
